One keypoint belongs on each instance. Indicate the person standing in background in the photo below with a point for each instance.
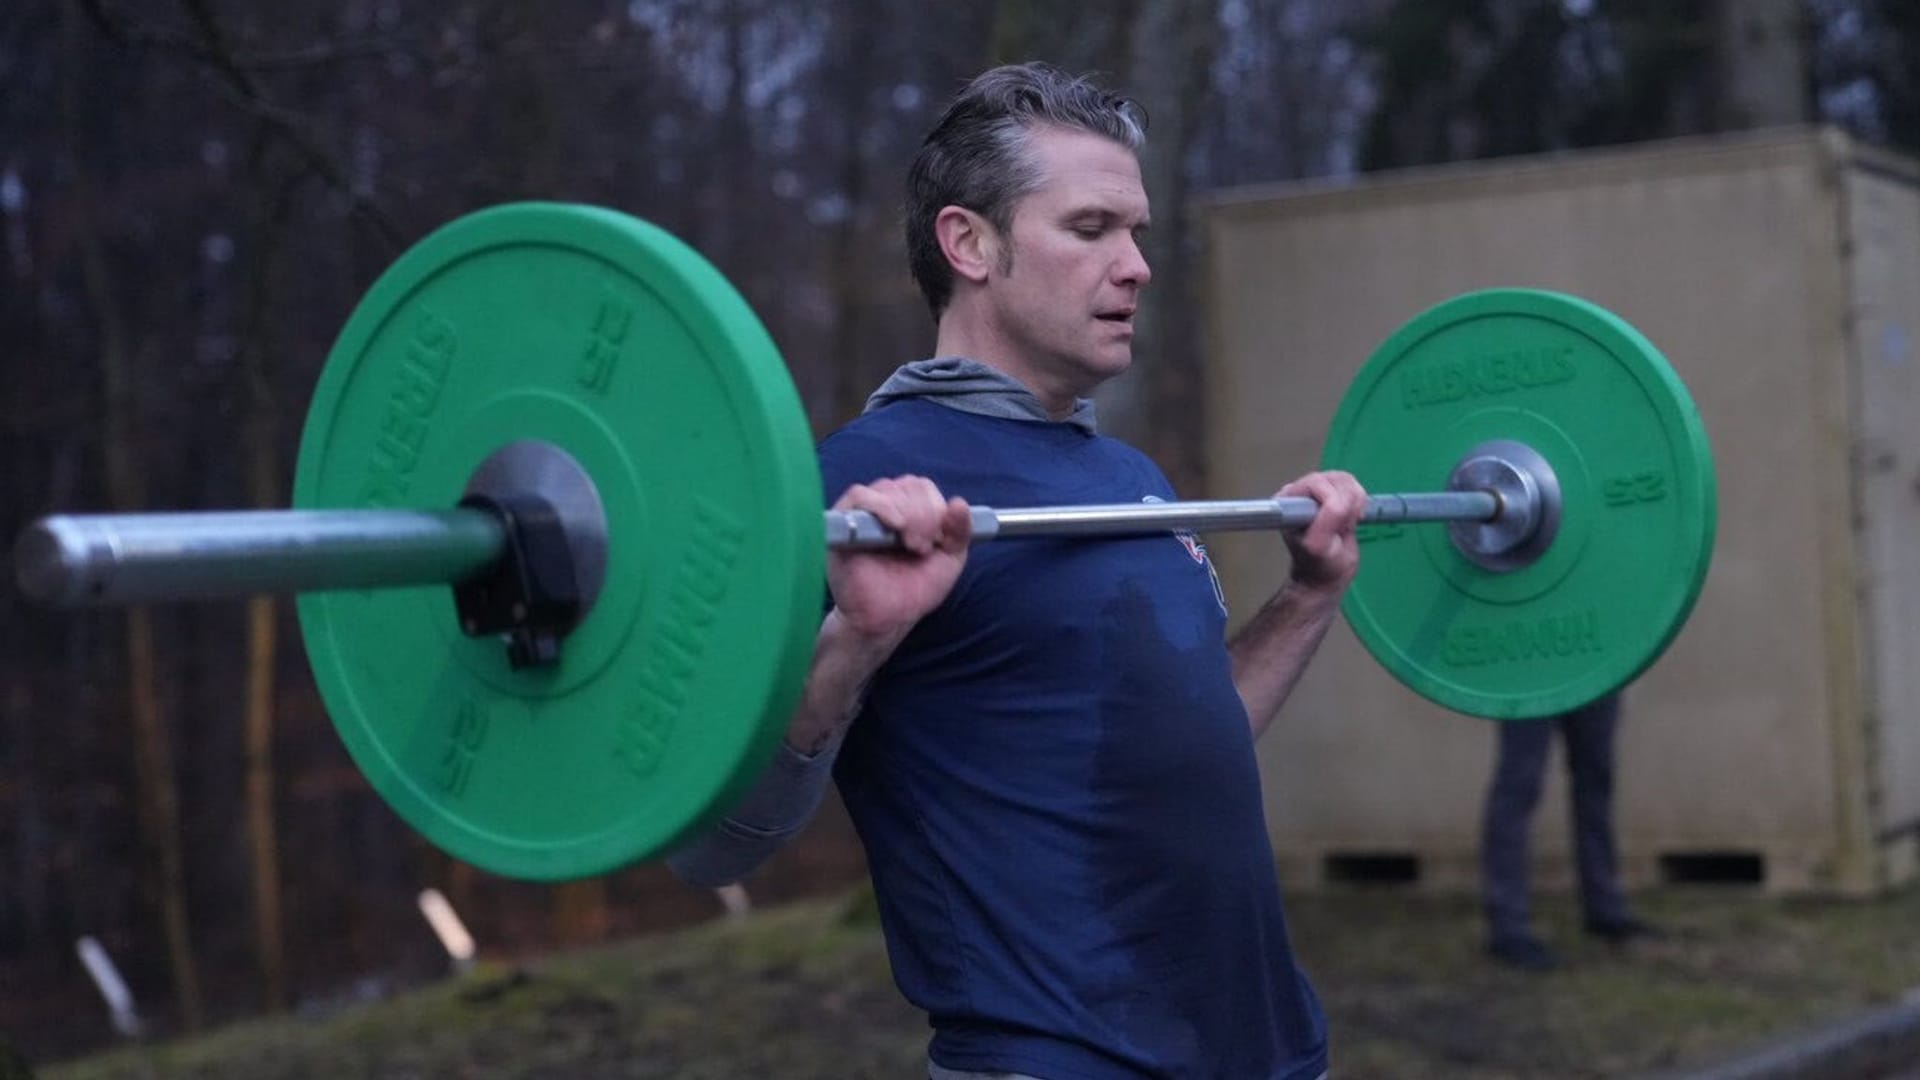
(1518, 776)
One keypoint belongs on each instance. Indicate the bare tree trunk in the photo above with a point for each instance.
(153, 766)
(733, 152)
(262, 437)
(1173, 49)
(579, 912)
(1013, 31)
(849, 270)
(460, 878)
(1763, 63)
(159, 807)
(262, 833)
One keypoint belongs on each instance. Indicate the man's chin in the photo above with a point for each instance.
(1099, 369)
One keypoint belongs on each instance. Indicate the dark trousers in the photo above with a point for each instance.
(1518, 777)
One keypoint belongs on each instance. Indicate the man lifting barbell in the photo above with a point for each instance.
(1049, 746)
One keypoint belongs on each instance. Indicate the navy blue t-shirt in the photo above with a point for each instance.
(1055, 782)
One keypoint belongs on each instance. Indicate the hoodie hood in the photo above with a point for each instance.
(973, 387)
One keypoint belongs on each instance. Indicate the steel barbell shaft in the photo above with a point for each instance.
(108, 559)
(859, 530)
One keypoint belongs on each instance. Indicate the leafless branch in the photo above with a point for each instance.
(212, 48)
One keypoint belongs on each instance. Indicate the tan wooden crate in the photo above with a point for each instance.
(1779, 738)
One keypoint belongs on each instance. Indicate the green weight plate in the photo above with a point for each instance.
(610, 340)
(1599, 402)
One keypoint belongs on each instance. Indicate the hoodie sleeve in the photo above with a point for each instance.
(774, 811)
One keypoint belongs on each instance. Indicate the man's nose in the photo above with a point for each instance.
(1132, 268)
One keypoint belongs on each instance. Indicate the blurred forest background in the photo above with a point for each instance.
(193, 193)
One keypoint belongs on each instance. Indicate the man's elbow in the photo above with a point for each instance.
(724, 854)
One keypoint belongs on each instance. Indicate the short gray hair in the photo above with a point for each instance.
(978, 156)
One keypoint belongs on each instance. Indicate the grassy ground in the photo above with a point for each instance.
(803, 992)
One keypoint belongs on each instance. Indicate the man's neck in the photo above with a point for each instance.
(959, 337)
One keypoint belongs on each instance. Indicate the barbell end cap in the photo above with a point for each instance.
(1501, 508)
(986, 523)
(58, 562)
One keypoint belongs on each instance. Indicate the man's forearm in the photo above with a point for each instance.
(844, 662)
(1271, 652)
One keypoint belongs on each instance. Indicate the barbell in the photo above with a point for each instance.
(572, 418)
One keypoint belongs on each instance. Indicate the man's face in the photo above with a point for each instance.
(1065, 300)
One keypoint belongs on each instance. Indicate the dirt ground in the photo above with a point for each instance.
(802, 991)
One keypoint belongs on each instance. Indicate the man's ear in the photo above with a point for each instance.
(969, 241)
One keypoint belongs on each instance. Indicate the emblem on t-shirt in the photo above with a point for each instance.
(1191, 541)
